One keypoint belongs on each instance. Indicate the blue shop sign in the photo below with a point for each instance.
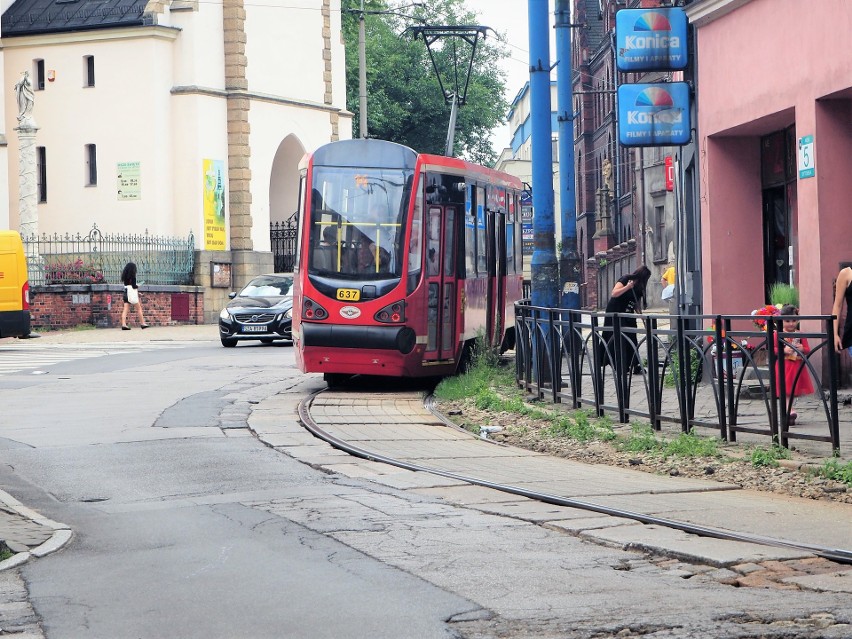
(650, 39)
(653, 114)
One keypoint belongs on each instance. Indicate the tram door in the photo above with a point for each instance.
(496, 256)
(441, 283)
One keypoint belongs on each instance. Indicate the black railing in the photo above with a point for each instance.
(100, 257)
(730, 378)
(283, 237)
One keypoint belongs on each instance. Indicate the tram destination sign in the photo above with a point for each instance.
(654, 114)
(651, 39)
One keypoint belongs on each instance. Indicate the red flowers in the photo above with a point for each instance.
(764, 311)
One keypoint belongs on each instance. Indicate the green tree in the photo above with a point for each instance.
(404, 100)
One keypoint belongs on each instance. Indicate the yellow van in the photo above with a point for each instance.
(14, 287)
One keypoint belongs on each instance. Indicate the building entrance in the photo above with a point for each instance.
(778, 177)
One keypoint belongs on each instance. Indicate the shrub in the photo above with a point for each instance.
(77, 272)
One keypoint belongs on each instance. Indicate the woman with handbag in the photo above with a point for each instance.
(131, 296)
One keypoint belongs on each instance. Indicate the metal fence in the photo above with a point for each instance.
(99, 258)
(731, 378)
(283, 237)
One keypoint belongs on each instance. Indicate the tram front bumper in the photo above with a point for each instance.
(363, 338)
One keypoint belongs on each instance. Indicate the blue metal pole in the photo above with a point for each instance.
(543, 266)
(569, 260)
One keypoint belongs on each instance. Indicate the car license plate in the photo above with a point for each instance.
(349, 294)
(254, 329)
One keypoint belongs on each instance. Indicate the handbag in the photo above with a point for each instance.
(132, 294)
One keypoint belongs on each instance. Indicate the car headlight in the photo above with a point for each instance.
(225, 315)
(288, 314)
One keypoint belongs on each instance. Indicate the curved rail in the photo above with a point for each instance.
(834, 554)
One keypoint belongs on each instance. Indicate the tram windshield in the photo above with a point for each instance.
(357, 221)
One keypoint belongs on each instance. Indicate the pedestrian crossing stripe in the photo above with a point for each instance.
(25, 356)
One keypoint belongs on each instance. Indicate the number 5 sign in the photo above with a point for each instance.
(807, 160)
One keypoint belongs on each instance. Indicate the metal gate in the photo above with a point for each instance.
(283, 237)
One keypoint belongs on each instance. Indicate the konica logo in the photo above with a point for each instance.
(651, 42)
(667, 116)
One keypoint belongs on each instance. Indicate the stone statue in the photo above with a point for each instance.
(24, 93)
(606, 169)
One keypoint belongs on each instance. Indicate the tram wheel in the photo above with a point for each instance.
(334, 379)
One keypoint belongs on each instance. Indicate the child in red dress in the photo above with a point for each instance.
(795, 349)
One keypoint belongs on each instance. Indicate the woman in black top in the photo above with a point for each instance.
(128, 278)
(842, 291)
(628, 296)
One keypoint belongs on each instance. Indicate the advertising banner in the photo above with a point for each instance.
(214, 205)
(654, 114)
(650, 39)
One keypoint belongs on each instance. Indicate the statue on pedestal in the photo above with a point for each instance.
(25, 96)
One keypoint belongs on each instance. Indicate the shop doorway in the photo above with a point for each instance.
(778, 181)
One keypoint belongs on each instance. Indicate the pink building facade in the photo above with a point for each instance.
(771, 76)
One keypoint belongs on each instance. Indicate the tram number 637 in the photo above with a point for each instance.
(348, 294)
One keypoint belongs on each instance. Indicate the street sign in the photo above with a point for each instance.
(650, 39)
(807, 160)
(654, 114)
(669, 173)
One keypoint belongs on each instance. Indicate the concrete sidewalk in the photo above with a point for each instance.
(398, 426)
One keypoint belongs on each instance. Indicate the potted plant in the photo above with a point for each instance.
(781, 294)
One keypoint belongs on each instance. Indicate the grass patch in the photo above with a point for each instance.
(768, 457)
(641, 439)
(5, 553)
(578, 427)
(836, 471)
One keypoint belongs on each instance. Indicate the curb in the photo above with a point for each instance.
(61, 533)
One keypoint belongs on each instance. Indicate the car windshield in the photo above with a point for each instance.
(357, 221)
(268, 286)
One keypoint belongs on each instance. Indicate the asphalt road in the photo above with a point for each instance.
(185, 525)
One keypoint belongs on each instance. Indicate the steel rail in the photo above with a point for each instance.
(838, 555)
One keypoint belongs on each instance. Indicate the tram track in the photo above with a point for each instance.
(839, 555)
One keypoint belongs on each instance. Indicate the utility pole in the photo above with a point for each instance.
(362, 56)
(569, 260)
(362, 73)
(543, 266)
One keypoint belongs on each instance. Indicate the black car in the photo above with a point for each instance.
(262, 310)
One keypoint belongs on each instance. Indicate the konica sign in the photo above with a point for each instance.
(650, 39)
(653, 114)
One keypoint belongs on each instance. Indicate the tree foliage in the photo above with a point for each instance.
(404, 99)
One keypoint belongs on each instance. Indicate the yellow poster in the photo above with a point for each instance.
(214, 205)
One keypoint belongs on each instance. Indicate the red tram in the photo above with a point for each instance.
(404, 260)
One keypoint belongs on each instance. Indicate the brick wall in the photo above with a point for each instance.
(65, 306)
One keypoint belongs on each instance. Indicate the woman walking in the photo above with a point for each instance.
(131, 296)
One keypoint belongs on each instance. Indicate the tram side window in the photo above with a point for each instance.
(433, 243)
(449, 244)
(470, 235)
(481, 265)
(510, 247)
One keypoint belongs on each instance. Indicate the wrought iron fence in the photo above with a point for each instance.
(99, 258)
(735, 378)
(283, 237)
